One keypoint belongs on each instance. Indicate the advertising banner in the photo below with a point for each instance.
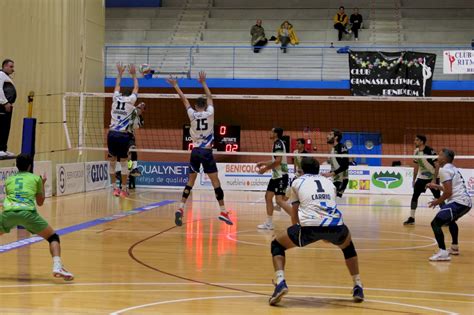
(391, 180)
(97, 175)
(404, 73)
(162, 174)
(70, 178)
(458, 62)
(45, 169)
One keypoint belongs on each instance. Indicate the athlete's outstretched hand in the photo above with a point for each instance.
(202, 77)
(172, 81)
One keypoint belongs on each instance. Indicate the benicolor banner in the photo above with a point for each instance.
(42, 168)
(70, 178)
(458, 61)
(97, 175)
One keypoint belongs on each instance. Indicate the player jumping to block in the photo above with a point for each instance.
(19, 208)
(119, 138)
(202, 135)
(314, 204)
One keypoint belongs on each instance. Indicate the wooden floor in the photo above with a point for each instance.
(138, 262)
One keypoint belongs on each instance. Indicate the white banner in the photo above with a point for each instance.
(69, 178)
(45, 169)
(97, 175)
(391, 180)
(468, 175)
(458, 61)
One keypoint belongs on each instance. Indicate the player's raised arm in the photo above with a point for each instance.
(133, 72)
(120, 69)
(202, 80)
(174, 83)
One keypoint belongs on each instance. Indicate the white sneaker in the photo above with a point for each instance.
(453, 251)
(3, 154)
(441, 255)
(265, 226)
(60, 272)
(10, 154)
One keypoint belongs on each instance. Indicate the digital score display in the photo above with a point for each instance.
(226, 138)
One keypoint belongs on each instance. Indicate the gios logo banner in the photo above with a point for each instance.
(97, 175)
(388, 180)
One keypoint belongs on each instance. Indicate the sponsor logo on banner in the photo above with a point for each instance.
(245, 177)
(70, 178)
(359, 180)
(5, 172)
(97, 175)
(458, 62)
(167, 174)
(387, 180)
(470, 186)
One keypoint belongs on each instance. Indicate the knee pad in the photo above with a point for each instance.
(187, 191)
(219, 193)
(124, 165)
(277, 249)
(349, 251)
(54, 238)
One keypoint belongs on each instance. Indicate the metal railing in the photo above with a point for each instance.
(314, 63)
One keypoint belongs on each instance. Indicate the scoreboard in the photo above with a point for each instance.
(226, 138)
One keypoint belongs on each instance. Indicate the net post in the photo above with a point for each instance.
(81, 122)
(31, 96)
(66, 132)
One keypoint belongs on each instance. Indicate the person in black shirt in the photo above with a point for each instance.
(7, 98)
(356, 23)
(339, 165)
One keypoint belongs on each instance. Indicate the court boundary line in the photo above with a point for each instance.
(223, 297)
(84, 225)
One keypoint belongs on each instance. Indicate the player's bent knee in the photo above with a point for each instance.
(54, 238)
(219, 193)
(187, 191)
(277, 249)
(124, 165)
(349, 251)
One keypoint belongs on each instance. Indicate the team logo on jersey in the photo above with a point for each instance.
(387, 180)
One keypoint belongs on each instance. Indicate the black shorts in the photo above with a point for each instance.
(420, 187)
(305, 235)
(118, 144)
(278, 185)
(202, 156)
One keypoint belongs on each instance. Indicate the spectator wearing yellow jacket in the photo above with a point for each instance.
(286, 35)
(340, 22)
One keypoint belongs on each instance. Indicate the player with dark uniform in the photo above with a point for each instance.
(339, 165)
(279, 181)
(202, 134)
(425, 172)
(313, 198)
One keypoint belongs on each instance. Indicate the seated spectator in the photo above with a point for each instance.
(340, 22)
(286, 35)
(258, 36)
(356, 23)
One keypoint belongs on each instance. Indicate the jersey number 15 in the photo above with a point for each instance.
(202, 124)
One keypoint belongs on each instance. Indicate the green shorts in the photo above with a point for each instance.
(30, 220)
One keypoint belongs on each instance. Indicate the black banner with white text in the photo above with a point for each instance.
(404, 73)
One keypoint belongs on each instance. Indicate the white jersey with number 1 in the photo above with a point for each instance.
(123, 112)
(317, 201)
(202, 127)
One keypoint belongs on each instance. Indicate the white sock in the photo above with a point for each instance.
(269, 219)
(356, 280)
(455, 246)
(412, 213)
(279, 276)
(181, 205)
(222, 208)
(57, 260)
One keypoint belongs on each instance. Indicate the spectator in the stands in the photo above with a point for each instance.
(356, 23)
(340, 22)
(258, 36)
(286, 35)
